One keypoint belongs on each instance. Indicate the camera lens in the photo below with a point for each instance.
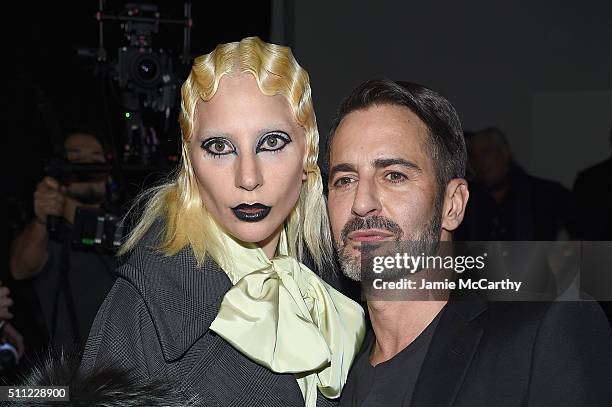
(146, 70)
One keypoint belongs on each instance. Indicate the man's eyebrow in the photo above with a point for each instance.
(342, 167)
(386, 162)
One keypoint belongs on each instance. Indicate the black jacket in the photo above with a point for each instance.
(511, 354)
(155, 323)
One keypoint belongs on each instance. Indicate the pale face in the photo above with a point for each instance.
(382, 185)
(84, 148)
(247, 153)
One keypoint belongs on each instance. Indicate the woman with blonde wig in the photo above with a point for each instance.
(214, 295)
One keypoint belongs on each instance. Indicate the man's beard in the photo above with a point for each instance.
(422, 241)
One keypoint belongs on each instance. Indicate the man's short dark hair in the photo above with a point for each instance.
(445, 145)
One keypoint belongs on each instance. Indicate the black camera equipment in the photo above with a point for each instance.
(145, 76)
(63, 171)
(97, 230)
(93, 229)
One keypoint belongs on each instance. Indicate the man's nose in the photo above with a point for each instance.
(248, 173)
(367, 199)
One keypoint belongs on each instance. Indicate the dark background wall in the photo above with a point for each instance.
(540, 70)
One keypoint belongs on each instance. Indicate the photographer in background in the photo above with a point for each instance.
(70, 284)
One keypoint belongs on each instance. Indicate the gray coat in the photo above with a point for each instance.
(155, 321)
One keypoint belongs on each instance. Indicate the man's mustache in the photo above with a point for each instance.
(370, 222)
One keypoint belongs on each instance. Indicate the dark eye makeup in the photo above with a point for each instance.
(218, 146)
(273, 141)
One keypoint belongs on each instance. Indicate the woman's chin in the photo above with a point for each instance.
(254, 233)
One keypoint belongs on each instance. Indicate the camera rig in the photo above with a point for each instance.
(145, 76)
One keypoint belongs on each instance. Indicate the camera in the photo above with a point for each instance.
(97, 230)
(144, 72)
(147, 75)
(94, 229)
(147, 80)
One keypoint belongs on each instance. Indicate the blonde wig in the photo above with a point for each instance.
(178, 204)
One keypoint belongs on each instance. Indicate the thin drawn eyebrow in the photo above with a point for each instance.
(211, 133)
(272, 129)
(208, 134)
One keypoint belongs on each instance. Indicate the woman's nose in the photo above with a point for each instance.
(248, 173)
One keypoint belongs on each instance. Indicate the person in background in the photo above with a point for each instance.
(506, 202)
(70, 284)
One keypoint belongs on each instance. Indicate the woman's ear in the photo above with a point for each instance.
(304, 175)
(455, 201)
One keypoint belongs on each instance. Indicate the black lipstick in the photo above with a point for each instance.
(251, 213)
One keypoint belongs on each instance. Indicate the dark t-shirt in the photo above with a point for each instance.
(389, 383)
(90, 277)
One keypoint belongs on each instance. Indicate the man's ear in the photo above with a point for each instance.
(455, 201)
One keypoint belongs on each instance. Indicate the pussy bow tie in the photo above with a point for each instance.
(280, 314)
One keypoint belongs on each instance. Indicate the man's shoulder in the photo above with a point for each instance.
(600, 169)
(594, 178)
(515, 329)
(535, 350)
(516, 318)
(575, 321)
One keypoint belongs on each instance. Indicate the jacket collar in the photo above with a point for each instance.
(182, 298)
(451, 351)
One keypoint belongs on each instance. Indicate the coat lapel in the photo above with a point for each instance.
(450, 354)
(182, 298)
